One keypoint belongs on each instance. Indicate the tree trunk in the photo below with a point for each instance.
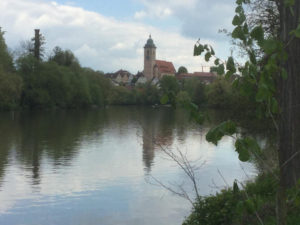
(289, 100)
(289, 128)
(37, 44)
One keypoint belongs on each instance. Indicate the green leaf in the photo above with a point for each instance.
(242, 150)
(239, 9)
(270, 46)
(215, 134)
(239, 2)
(207, 56)
(258, 34)
(246, 145)
(217, 62)
(198, 49)
(195, 50)
(238, 33)
(164, 100)
(236, 21)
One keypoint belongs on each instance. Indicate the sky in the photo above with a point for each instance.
(109, 35)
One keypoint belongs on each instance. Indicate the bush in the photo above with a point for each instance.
(146, 94)
(238, 207)
(121, 96)
(183, 98)
(10, 90)
(196, 90)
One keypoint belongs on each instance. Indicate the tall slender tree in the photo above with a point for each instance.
(38, 42)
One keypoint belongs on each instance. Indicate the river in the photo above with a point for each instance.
(101, 166)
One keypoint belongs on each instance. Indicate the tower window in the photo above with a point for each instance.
(148, 55)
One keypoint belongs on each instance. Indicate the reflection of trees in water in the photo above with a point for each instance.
(8, 133)
(159, 126)
(55, 135)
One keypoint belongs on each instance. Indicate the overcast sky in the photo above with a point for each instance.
(108, 35)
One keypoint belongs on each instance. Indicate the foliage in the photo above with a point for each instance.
(121, 96)
(254, 204)
(10, 90)
(196, 90)
(182, 98)
(182, 69)
(169, 88)
(48, 84)
(219, 94)
(64, 58)
(269, 76)
(266, 13)
(6, 61)
(147, 94)
(256, 82)
(10, 83)
(99, 86)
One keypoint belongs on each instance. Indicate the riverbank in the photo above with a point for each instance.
(251, 203)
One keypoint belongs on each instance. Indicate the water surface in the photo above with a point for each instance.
(99, 166)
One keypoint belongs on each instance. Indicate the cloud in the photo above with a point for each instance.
(198, 18)
(140, 14)
(100, 42)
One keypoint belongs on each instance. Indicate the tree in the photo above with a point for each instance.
(169, 88)
(6, 61)
(63, 58)
(182, 69)
(289, 101)
(38, 42)
(273, 77)
(266, 13)
(10, 83)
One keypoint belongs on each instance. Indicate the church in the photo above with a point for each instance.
(154, 68)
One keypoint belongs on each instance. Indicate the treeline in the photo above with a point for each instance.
(60, 82)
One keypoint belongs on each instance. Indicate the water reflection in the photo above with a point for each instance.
(90, 165)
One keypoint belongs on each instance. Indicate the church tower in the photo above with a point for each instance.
(149, 58)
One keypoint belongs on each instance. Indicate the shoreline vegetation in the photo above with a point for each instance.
(251, 203)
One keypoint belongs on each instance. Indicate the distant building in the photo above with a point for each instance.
(155, 68)
(205, 77)
(120, 77)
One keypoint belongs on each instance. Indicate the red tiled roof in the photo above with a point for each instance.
(165, 67)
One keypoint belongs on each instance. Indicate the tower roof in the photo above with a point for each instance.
(150, 43)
